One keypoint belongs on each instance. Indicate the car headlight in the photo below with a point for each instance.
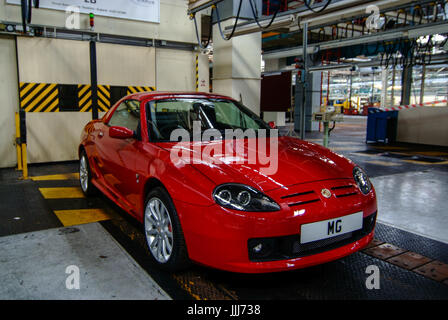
(362, 180)
(244, 198)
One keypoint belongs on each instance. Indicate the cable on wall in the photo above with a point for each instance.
(310, 3)
(234, 26)
(209, 32)
(254, 12)
(26, 8)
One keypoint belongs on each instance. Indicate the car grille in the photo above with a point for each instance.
(345, 191)
(289, 247)
(301, 198)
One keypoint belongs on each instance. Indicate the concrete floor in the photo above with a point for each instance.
(39, 265)
(415, 202)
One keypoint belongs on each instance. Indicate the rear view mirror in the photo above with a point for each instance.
(120, 133)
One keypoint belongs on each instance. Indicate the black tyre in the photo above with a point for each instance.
(163, 232)
(85, 175)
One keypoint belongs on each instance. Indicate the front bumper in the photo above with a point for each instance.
(223, 239)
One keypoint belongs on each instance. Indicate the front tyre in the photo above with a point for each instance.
(85, 176)
(163, 232)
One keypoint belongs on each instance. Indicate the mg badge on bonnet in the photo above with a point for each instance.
(326, 193)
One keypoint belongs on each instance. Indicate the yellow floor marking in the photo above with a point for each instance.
(426, 163)
(66, 176)
(430, 153)
(62, 193)
(344, 148)
(384, 163)
(81, 216)
(364, 154)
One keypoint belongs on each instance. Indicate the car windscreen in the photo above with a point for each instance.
(165, 116)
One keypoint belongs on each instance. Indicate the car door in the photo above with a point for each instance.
(119, 156)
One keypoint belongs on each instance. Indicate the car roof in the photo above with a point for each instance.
(149, 95)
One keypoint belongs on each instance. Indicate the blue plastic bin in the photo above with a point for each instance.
(381, 126)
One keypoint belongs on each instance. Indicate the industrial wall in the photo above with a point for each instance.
(8, 101)
(174, 25)
(45, 67)
(425, 125)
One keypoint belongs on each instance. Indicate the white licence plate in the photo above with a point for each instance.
(330, 228)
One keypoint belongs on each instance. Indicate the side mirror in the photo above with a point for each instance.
(120, 133)
(272, 124)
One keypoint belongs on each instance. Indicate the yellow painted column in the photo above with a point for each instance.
(18, 146)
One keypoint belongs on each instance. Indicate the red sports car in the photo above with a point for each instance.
(194, 169)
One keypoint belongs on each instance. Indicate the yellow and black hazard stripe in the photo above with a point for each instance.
(39, 97)
(52, 97)
(103, 97)
(197, 73)
(136, 89)
(85, 97)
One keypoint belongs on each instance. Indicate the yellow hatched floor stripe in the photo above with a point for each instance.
(62, 193)
(64, 176)
(81, 216)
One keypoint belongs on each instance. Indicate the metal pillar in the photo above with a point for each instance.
(301, 94)
(422, 85)
(350, 90)
(406, 83)
(305, 78)
(393, 87)
(94, 79)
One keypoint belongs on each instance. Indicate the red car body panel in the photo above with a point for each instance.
(215, 236)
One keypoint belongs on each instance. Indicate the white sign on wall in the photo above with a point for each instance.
(141, 10)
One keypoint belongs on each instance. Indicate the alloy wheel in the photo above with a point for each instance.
(158, 230)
